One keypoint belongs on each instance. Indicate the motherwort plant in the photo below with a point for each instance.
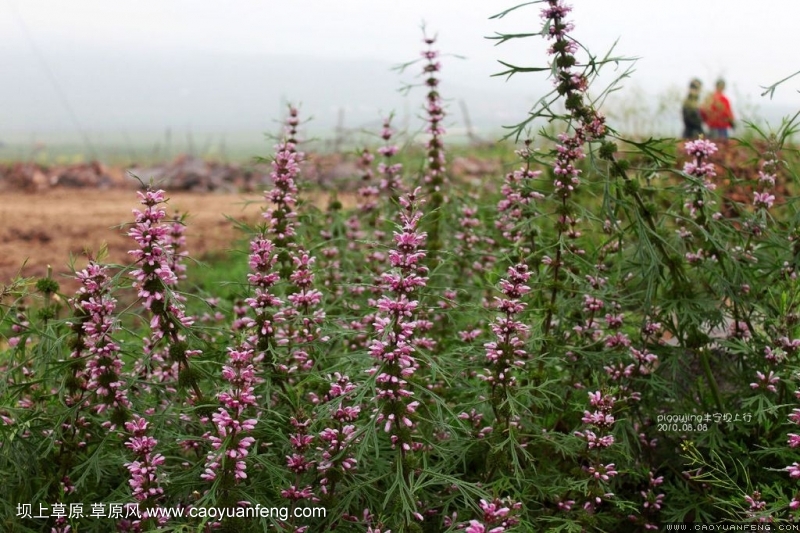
(601, 336)
(154, 281)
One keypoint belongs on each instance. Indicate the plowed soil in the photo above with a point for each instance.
(37, 230)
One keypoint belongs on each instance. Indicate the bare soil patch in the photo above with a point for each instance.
(43, 229)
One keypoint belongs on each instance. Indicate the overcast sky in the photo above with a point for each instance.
(150, 64)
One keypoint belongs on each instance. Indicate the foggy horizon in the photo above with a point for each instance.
(95, 69)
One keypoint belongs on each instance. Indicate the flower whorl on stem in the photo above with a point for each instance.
(390, 172)
(283, 196)
(701, 168)
(518, 195)
(508, 350)
(571, 85)
(394, 348)
(232, 442)
(144, 470)
(434, 177)
(154, 280)
(262, 277)
(105, 366)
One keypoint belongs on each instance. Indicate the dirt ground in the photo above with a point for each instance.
(45, 228)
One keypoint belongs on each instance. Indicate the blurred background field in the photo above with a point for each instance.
(144, 83)
(188, 95)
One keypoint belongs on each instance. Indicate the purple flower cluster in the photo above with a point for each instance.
(794, 442)
(653, 501)
(330, 262)
(768, 173)
(176, 243)
(283, 196)
(75, 385)
(434, 176)
(144, 470)
(766, 381)
(370, 240)
(154, 276)
(498, 517)
(104, 367)
(232, 441)
(373, 526)
(302, 317)
(368, 193)
(763, 199)
(507, 352)
(339, 434)
(756, 508)
(568, 152)
(18, 327)
(395, 327)
(700, 167)
(263, 301)
(518, 194)
(609, 331)
(290, 126)
(703, 171)
(598, 437)
(296, 323)
(299, 462)
(154, 281)
(571, 85)
(390, 172)
(472, 246)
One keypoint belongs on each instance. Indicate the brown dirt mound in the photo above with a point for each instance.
(185, 173)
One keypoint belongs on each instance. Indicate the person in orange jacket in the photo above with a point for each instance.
(717, 113)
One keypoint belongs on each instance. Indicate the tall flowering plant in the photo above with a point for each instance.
(104, 368)
(507, 353)
(393, 349)
(144, 471)
(154, 281)
(587, 125)
(435, 171)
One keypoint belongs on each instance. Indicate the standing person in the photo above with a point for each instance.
(692, 120)
(717, 113)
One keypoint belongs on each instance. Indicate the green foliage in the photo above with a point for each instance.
(642, 290)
